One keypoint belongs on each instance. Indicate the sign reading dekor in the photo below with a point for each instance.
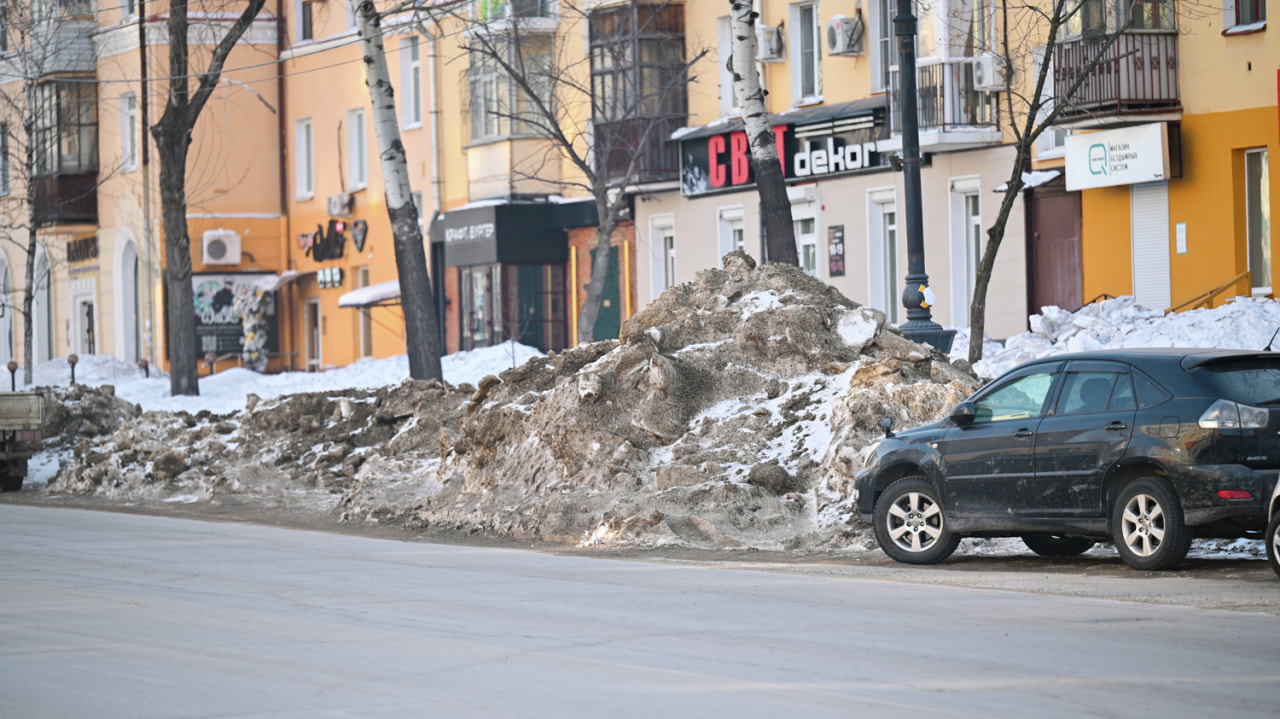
(1125, 156)
(806, 151)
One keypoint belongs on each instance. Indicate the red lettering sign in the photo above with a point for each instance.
(715, 168)
(738, 156)
(780, 142)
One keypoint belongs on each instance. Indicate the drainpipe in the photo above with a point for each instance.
(149, 336)
(282, 125)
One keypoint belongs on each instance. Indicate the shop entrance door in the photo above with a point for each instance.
(311, 326)
(609, 321)
(1057, 276)
(481, 315)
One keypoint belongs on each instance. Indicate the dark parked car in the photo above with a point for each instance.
(1147, 448)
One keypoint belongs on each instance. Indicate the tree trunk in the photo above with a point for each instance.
(775, 207)
(184, 356)
(422, 336)
(599, 271)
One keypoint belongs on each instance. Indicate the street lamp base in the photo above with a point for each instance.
(930, 333)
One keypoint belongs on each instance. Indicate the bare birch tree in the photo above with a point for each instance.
(172, 134)
(776, 221)
(422, 337)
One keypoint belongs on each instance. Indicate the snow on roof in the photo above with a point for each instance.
(1032, 179)
(371, 295)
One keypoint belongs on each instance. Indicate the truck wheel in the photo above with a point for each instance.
(910, 525)
(1273, 543)
(1147, 525)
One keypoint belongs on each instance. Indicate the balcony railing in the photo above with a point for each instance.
(947, 98)
(1138, 74)
(659, 156)
(66, 200)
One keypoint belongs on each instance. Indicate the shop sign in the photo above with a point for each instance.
(1124, 156)
(219, 327)
(835, 250)
(806, 152)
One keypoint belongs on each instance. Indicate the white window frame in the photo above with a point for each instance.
(796, 39)
(129, 9)
(881, 293)
(660, 226)
(299, 26)
(966, 245)
(1052, 143)
(730, 220)
(411, 81)
(882, 41)
(304, 170)
(1231, 24)
(357, 150)
(128, 132)
(729, 106)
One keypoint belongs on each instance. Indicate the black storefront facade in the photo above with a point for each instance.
(500, 272)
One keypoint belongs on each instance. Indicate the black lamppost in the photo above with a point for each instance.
(916, 297)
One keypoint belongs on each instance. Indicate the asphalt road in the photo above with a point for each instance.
(121, 615)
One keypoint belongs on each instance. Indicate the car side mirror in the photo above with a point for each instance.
(886, 423)
(963, 413)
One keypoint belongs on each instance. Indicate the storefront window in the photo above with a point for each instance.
(535, 308)
(481, 318)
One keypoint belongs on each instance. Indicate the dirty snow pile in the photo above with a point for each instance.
(1243, 323)
(730, 413)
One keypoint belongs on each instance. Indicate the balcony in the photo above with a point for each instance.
(66, 200)
(1136, 77)
(646, 138)
(953, 114)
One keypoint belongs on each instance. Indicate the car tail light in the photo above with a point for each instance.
(1225, 414)
(1234, 494)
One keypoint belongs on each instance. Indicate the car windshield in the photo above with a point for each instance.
(1252, 381)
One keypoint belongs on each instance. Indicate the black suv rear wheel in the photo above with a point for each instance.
(1147, 525)
(910, 525)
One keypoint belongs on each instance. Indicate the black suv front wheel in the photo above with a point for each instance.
(910, 525)
(1147, 525)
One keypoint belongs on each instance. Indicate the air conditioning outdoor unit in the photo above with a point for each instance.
(340, 205)
(220, 247)
(769, 47)
(844, 35)
(990, 73)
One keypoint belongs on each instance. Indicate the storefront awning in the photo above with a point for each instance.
(383, 293)
(509, 232)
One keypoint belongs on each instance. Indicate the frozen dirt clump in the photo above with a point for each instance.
(729, 414)
(307, 446)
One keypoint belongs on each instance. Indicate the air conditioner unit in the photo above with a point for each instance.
(340, 205)
(844, 35)
(769, 46)
(990, 73)
(220, 247)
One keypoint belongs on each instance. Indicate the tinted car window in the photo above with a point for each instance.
(1252, 381)
(1020, 398)
(1087, 392)
(1122, 398)
(1150, 394)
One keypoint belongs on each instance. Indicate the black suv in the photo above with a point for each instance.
(1147, 448)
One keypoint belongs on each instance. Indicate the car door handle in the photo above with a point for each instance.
(1024, 432)
(1116, 426)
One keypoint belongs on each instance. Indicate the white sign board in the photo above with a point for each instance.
(1124, 156)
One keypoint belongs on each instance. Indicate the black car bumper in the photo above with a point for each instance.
(1199, 486)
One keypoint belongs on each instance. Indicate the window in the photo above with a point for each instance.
(497, 107)
(128, 9)
(1096, 391)
(975, 16)
(638, 89)
(1158, 14)
(306, 29)
(1258, 226)
(304, 167)
(411, 70)
(497, 10)
(1095, 17)
(1020, 398)
(1244, 12)
(730, 230)
(1053, 141)
(358, 150)
(972, 241)
(662, 252)
(807, 244)
(966, 243)
(806, 62)
(669, 258)
(129, 132)
(885, 44)
(66, 128)
(724, 50)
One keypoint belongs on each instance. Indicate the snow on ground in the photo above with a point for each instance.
(1244, 323)
(226, 391)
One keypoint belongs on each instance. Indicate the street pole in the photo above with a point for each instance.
(917, 297)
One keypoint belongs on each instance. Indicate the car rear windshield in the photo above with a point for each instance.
(1253, 381)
